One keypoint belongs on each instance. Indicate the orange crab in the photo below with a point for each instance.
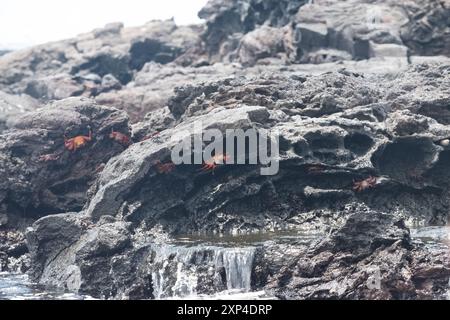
(99, 168)
(315, 168)
(359, 186)
(164, 168)
(150, 136)
(121, 138)
(211, 164)
(73, 144)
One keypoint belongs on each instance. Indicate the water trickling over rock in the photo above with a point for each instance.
(180, 271)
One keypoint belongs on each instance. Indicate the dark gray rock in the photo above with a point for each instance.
(426, 33)
(13, 106)
(69, 252)
(368, 257)
(154, 85)
(265, 42)
(112, 192)
(54, 87)
(14, 255)
(335, 129)
(353, 26)
(225, 21)
(364, 146)
(41, 175)
(336, 126)
(63, 69)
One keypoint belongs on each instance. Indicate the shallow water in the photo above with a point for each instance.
(231, 252)
(434, 238)
(252, 239)
(18, 287)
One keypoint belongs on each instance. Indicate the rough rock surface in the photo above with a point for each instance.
(338, 122)
(70, 252)
(368, 257)
(35, 185)
(93, 63)
(364, 142)
(226, 24)
(12, 106)
(335, 129)
(427, 31)
(13, 251)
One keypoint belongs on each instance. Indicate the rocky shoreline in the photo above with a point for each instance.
(90, 202)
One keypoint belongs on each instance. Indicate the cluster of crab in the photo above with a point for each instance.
(370, 182)
(80, 141)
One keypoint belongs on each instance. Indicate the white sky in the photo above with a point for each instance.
(28, 22)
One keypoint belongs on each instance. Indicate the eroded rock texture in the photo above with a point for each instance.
(42, 176)
(375, 247)
(363, 121)
(335, 129)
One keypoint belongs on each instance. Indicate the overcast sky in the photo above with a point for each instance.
(28, 22)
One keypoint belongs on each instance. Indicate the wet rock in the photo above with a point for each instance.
(363, 147)
(14, 255)
(69, 252)
(368, 257)
(333, 126)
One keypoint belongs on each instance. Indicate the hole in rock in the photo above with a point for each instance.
(406, 159)
(358, 143)
(151, 50)
(106, 64)
(322, 142)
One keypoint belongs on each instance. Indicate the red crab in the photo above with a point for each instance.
(211, 164)
(150, 136)
(315, 168)
(49, 157)
(73, 144)
(121, 138)
(359, 186)
(164, 167)
(99, 168)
